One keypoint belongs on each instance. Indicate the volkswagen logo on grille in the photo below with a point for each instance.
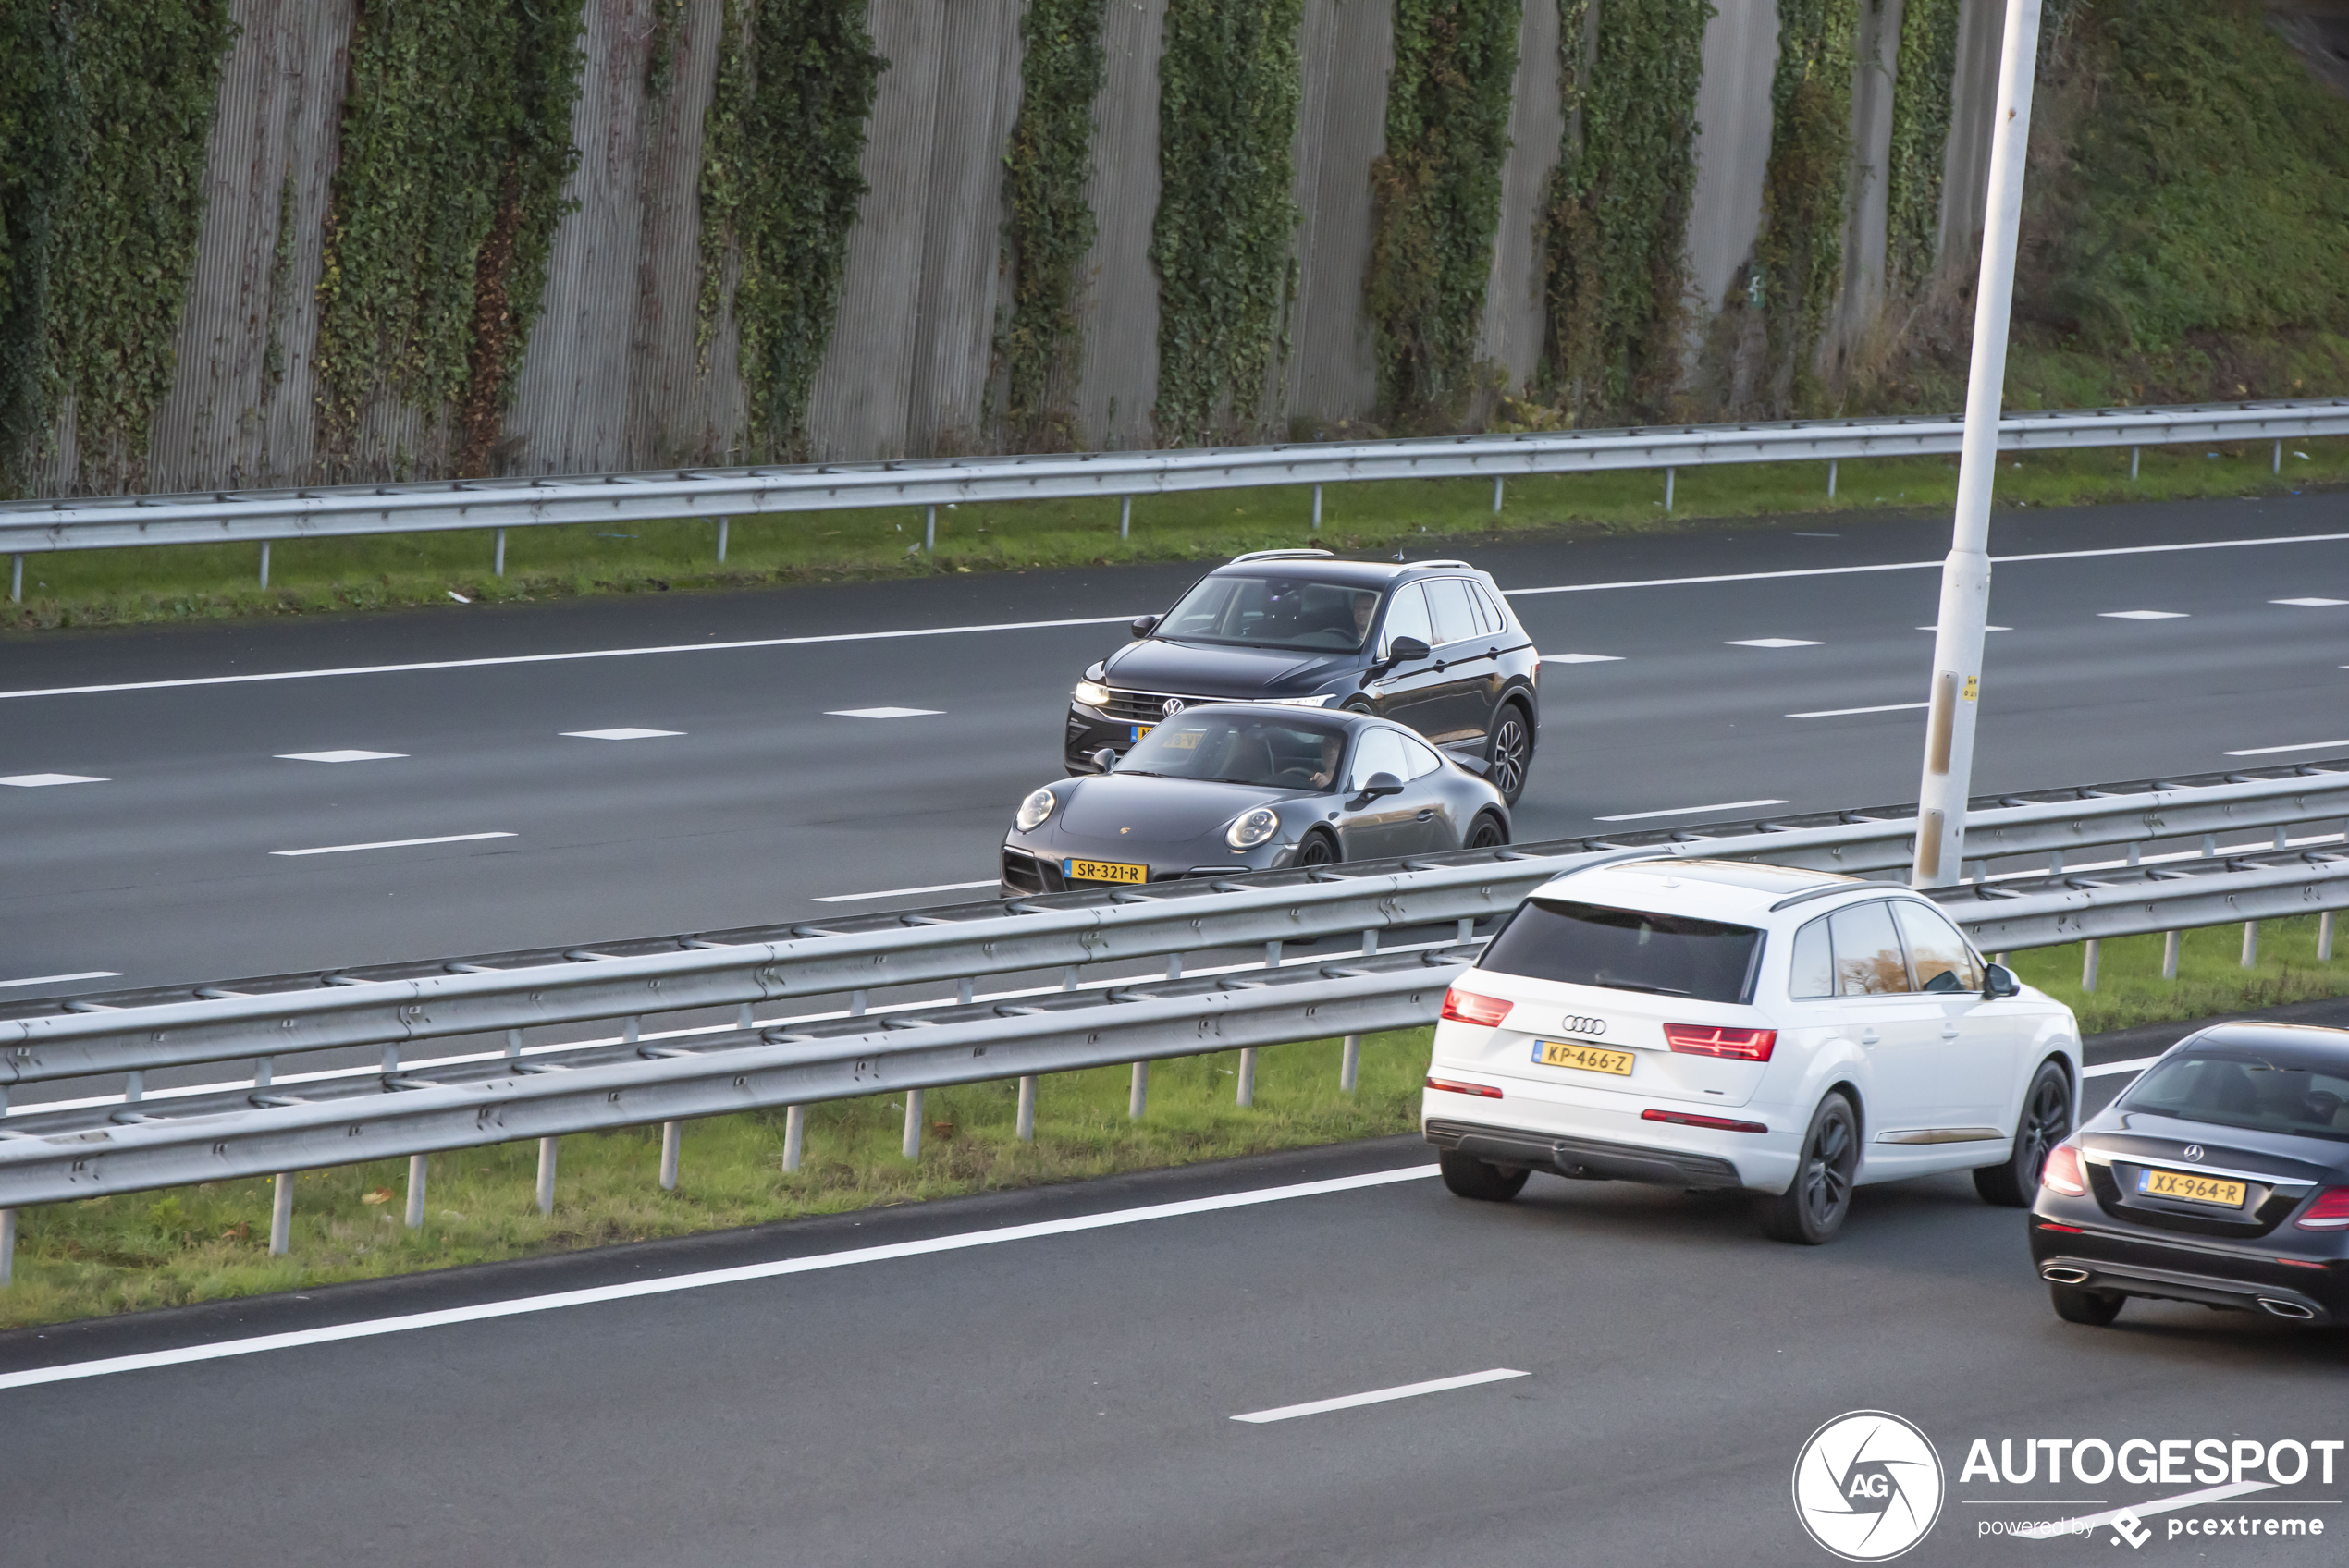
(2194, 1151)
(1574, 1025)
(1174, 705)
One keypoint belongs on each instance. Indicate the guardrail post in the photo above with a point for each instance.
(929, 530)
(1025, 1127)
(1125, 517)
(1669, 474)
(911, 1146)
(1496, 496)
(2279, 463)
(8, 1247)
(794, 1134)
(134, 1087)
(265, 563)
(1138, 1097)
(2089, 951)
(499, 566)
(513, 1045)
(281, 1215)
(1174, 966)
(15, 579)
(2324, 938)
(670, 1136)
(966, 990)
(1349, 1064)
(1830, 479)
(723, 523)
(1317, 508)
(1247, 1075)
(2250, 943)
(546, 1175)
(2169, 940)
(2134, 454)
(1369, 942)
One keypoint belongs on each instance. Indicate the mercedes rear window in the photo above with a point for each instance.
(1625, 950)
(2265, 1091)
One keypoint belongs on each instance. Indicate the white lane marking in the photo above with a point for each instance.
(2304, 746)
(2310, 603)
(393, 844)
(61, 979)
(2094, 1521)
(1579, 658)
(1920, 566)
(2110, 1068)
(883, 712)
(1846, 713)
(636, 1289)
(566, 658)
(2141, 614)
(1381, 1396)
(901, 893)
(621, 734)
(43, 781)
(1985, 628)
(1687, 811)
(1774, 642)
(338, 756)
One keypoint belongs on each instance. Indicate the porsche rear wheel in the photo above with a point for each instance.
(1486, 833)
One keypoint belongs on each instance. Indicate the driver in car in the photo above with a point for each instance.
(1333, 747)
(1365, 607)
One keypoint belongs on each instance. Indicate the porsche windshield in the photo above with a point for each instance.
(1277, 753)
(1274, 612)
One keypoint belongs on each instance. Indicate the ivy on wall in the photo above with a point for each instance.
(1051, 228)
(1924, 79)
(780, 186)
(106, 113)
(1229, 84)
(456, 141)
(1805, 189)
(1615, 260)
(1438, 193)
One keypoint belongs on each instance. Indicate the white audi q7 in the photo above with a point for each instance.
(1715, 1025)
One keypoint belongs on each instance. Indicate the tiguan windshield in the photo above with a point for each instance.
(1274, 612)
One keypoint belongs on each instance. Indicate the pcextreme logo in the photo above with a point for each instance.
(1868, 1485)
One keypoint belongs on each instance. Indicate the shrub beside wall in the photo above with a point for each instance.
(1051, 228)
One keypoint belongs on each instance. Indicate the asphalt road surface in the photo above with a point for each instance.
(162, 857)
(925, 1386)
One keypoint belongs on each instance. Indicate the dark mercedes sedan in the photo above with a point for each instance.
(1249, 787)
(2220, 1177)
(1431, 645)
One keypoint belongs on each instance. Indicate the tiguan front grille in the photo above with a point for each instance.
(1147, 708)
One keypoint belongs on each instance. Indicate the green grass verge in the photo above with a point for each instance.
(189, 582)
(207, 1242)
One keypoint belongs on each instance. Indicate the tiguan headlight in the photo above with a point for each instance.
(1035, 809)
(1251, 828)
(1093, 693)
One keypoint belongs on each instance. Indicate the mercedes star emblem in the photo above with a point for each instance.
(2194, 1151)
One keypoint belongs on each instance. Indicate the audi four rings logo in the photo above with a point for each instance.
(1572, 1025)
(1174, 705)
(2194, 1151)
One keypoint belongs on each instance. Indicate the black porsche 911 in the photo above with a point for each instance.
(2220, 1177)
(1249, 787)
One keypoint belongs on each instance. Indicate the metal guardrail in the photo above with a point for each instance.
(104, 523)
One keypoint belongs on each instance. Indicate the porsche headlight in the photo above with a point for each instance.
(1035, 809)
(1093, 693)
(1251, 828)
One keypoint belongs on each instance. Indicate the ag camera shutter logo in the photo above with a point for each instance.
(1868, 1485)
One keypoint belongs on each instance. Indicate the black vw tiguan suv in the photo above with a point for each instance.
(1431, 645)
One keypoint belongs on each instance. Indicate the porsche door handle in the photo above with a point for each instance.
(1428, 815)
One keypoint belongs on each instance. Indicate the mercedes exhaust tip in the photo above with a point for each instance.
(2291, 1309)
(2055, 1276)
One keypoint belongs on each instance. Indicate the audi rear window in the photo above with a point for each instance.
(1626, 950)
(2265, 1091)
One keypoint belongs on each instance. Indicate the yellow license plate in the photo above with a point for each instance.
(1104, 871)
(1590, 1058)
(2189, 1188)
(1139, 731)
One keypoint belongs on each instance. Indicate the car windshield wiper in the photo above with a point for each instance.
(1635, 986)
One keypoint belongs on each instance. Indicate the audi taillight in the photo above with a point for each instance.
(2330, 1212)
(1689, 1119)
(1482, 1091)
(1467, 1007)
(2062, 1173)
(1706, 1039)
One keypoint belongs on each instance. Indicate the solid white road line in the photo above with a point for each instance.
(623, 734)
(883, 712)
(393, 844)
(43, 781)
(1774, 642)
(2094, 1522)
(1579, 658)
(1985, 628)
(338, 756)
(2113, 1068)
(1846, 713)
(2141, 614)
(1381, 1396)
(61, 979)
(902, 892)
(1687, 811)
(2311, 604)
(636, 1289)
(2271, 751)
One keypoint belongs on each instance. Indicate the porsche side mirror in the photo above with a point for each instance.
(1105, 759)
(1997, 981)
(1141, 626)
(1381, 784)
